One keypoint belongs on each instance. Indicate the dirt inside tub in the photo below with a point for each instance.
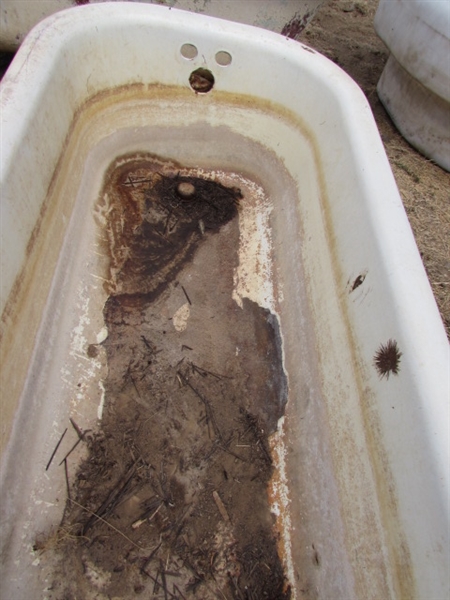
(172, 500)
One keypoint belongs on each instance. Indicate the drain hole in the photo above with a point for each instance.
(201, 80)
(189, 51)
(223, 58)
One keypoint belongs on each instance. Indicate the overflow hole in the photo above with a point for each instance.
(189, 51)
(201, 80)
(223, 58)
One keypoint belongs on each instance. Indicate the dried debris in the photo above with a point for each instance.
(172, 500)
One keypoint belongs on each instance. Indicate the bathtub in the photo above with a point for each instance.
(414, 86)
(359, 490)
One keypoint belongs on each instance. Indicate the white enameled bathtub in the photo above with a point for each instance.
(362, 457)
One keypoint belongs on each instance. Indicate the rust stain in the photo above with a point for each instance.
(296, 25)
(282, 520)
(358, 281)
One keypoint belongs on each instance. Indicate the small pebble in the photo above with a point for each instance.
(185, 189)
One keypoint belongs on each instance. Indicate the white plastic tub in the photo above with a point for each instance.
(361, 486)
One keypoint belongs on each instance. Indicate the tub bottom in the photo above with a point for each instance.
(172, 496)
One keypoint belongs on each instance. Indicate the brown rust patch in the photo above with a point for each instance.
(295, 26)
(358, 281)
(387, 359)
(152, 229)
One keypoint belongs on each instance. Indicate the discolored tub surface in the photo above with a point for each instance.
(172, 498)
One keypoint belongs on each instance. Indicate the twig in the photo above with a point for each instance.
(163, 578)
(177, 527)
(70, 451)
(67, 479)
(130, 182)
(204, 372)
(92, 513)
(55, 450)
(186, 294)
(156, 585)
(254, 426)
(81, 436)
(155, 580)
(77, 429)
(144, 518)
(149, 558)
(236, 586)
(175, 587)
(207, 404)
(197, 576)
(264, 449)
(221, 593)
(221, 507)
(147, 343)
(228, 451)
(113, 497)
(135, 386)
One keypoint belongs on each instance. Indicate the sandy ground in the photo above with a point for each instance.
(343, 31)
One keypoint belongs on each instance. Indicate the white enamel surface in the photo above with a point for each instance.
(367, 462)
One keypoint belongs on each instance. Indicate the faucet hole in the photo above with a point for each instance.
(201, 81)
(223, 58)
(188, 51)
